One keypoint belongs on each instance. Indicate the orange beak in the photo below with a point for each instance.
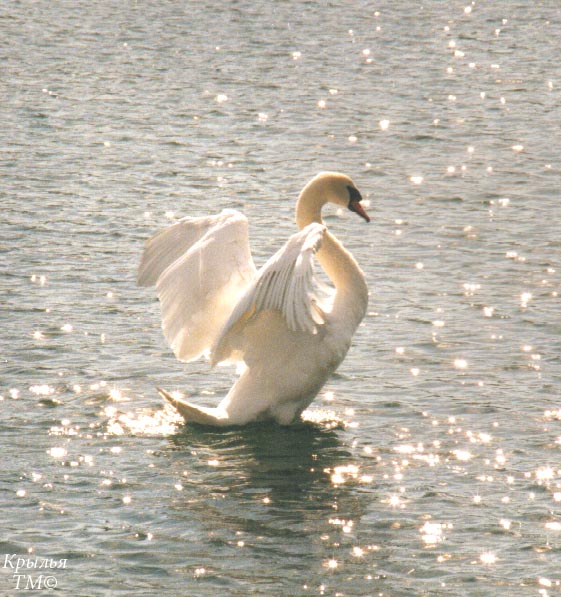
(358, 209)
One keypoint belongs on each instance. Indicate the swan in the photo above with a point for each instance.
(286, 328)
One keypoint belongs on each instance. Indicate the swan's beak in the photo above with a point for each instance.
(354, 203)
(358, 209)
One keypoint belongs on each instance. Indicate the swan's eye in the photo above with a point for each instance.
(354, 203)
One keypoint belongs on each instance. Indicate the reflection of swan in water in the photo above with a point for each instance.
(266, 486)
(287, 464)
(214, 302)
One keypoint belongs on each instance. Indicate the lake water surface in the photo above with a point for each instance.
(430, 464)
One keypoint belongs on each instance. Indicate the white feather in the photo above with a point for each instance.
(200, 267)
(285, 284)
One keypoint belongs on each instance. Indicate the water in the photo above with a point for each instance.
(429, 465)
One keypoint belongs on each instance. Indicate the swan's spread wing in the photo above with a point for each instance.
(169, 244)
(285, 284)
(200, 267)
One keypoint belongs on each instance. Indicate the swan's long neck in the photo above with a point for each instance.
(340, 266)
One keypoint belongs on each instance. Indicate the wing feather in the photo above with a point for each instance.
(200, 267)
(285, 283)
(172, 242)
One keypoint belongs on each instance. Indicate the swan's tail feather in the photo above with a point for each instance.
(196, 414)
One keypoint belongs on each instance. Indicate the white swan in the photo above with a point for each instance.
(214, 302)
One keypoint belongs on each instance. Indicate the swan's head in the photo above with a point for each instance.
(331, 187)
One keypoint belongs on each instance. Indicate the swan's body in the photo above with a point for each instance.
(215, 302)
